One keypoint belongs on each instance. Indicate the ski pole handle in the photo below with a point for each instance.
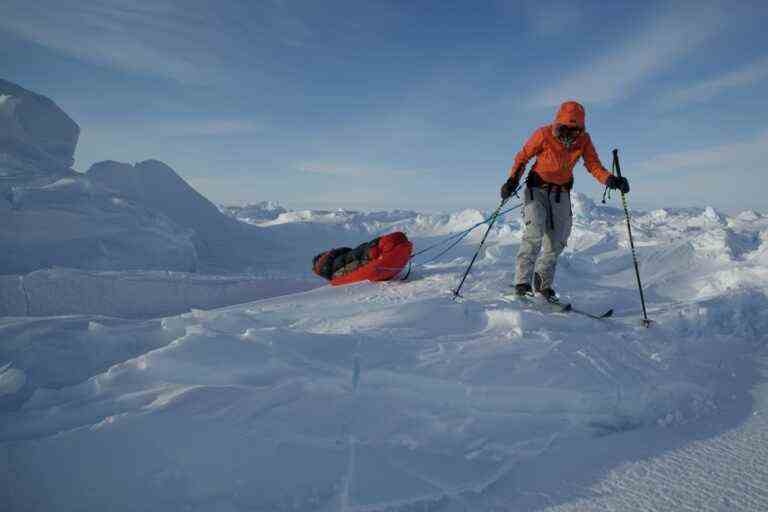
(616, 164)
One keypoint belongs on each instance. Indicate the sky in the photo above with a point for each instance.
(390, 104)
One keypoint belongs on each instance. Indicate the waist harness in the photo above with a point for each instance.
(535, 181)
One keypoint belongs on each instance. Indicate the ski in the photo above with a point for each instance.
(607, 314)
(555, 306)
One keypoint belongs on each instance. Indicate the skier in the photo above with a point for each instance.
(547, 211)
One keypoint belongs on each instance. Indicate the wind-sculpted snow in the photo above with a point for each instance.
(72, 222)
(254, 213)
(727, 472)
(364, 223)
(391, 396)
(221, 243)
(126, 294)
(124, 217)
(114, 217)
(35, 134)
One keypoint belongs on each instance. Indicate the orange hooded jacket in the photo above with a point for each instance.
(554, 161)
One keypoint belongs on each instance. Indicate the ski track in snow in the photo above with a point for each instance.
(390, 396)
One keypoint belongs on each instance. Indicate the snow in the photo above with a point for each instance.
(391, 396)
(123, 388)
(256, 212)
(73, 222)
(132, 294)
(7, 105)
(11, 380)
(115, 217)
(221, 244)
(118, 217)
(727, 472)
(35, 134)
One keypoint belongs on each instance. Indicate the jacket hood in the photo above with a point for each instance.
(570, 113)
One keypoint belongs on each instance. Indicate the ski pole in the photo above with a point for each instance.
(490, 225)
(617, 168)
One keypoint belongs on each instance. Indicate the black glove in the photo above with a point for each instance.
(510, 186)
(616, 182)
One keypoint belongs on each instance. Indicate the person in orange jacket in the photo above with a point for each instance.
(557, 148)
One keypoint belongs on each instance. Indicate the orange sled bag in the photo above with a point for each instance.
(380, 259)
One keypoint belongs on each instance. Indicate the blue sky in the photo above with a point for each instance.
(391, 104)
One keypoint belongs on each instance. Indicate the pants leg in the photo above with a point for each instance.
(535, 218)
(554, 240)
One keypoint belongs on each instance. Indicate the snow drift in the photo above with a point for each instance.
(392, 397)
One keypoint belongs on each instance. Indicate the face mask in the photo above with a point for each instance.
(568, 134)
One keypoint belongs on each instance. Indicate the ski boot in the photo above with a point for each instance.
(523, 290)
(547, 293)
(520, 292)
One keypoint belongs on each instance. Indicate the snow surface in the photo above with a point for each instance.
(119, 217)
(35, 134)
(132, 294)
(392, 397)
(254, 213)
(72, 222)
(114, 217)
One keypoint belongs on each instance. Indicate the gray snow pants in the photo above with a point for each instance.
(547, 228)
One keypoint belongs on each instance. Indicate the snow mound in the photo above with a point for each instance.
(74, 223)
(255, 213)
(368, 222)
(36, 136)
(222, 244)
(11, 380)
(119, 217)
(116, 216)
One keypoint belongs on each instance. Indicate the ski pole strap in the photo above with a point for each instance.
(607, 191)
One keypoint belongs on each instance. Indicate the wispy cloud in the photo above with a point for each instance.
(664, 40)
(211, 128)
(155, 37)
(748, 75)
(725, 158)
(184, 40)
(352, 171)
(172, 128)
